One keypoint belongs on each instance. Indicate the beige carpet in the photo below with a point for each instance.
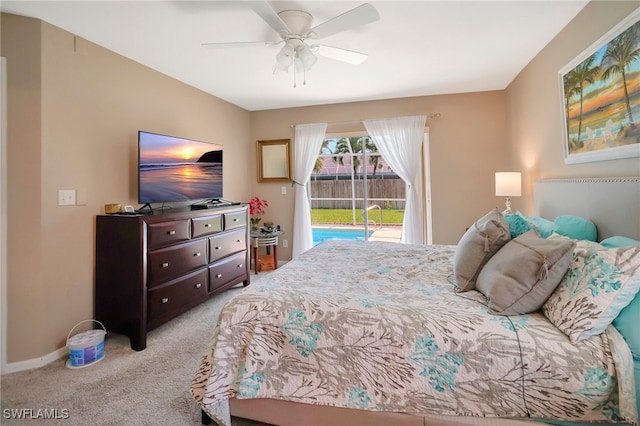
(149, 387)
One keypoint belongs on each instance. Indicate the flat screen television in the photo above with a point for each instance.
(172, 169)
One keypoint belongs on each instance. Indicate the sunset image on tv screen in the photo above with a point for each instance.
(177, 169)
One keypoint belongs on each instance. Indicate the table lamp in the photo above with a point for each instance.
(508, 184)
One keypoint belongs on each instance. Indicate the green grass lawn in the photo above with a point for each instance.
(344, 216)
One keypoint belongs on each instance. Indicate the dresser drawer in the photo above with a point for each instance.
(171, 299)
(206, 225)
(165, 233)
(235, 220)
(171, 262)
(223, 245)
(226, 270)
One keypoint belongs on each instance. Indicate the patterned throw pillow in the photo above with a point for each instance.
(518, 225)
(600, 282)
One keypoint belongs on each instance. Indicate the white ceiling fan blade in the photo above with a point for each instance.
(344, 55)
(361, 15)
(266, 12)
(229, 44)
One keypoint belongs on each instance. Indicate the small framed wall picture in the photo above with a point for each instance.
(274, 160)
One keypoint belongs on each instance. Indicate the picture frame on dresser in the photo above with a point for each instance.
(601, 108)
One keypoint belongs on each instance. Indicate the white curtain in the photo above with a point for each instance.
(308, 141)
(399, 141)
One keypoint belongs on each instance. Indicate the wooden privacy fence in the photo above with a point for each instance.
(387, 193)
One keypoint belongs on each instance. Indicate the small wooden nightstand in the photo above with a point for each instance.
(266, 239)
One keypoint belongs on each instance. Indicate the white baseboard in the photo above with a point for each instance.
(29, 364)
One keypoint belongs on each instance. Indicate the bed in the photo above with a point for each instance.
(382, 333)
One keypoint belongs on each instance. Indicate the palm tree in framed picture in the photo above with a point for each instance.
(571, 89)
(621, 52)
(582, 75)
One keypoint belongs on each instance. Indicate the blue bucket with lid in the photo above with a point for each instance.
(86, 348)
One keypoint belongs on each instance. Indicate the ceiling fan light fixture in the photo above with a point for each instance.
(295, 26)
(277, 68)
(307, 58)
(285, 57)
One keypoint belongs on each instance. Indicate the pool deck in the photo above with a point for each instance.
(387, 234)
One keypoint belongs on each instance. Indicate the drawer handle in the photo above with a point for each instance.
(218, 275)
(218, 247)
(207, 225)
(237, 241)
(197, 254)
(171, 232)
(165, 300)
(240, 265)
(165, 265)
(198, 285)
(236, 219)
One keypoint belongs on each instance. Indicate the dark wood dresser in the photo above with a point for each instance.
(151, 268)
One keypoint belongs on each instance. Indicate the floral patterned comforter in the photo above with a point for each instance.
(378, 326)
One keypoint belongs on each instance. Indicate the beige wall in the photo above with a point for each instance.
(534, 103)
(74, 110)
(24, 254)
(468, 144)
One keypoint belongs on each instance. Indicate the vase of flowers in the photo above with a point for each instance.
(257, 208)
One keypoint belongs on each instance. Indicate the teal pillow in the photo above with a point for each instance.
(617, 241)
(627, 324)
(636, 373)
(544, 226)
(517, 225)
(576, 227)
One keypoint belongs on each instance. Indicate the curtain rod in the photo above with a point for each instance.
(434, 115)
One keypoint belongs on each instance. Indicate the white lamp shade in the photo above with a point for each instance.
(508, 184)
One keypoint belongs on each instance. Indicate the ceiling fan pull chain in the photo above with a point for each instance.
(294, 73)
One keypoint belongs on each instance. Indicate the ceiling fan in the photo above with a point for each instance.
(295, 30)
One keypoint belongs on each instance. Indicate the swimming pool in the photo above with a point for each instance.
(323, 234)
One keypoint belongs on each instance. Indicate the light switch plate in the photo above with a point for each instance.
(66, 197)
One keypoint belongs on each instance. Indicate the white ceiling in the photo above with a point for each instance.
(416, 48)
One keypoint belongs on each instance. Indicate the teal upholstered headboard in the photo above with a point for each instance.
(613, 204)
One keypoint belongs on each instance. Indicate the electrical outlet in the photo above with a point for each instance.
(284, 190)
(285, 243)
(67, 197)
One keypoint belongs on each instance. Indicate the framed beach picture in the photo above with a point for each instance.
(601, 97)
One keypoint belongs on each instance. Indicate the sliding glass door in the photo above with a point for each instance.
(354, 194)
